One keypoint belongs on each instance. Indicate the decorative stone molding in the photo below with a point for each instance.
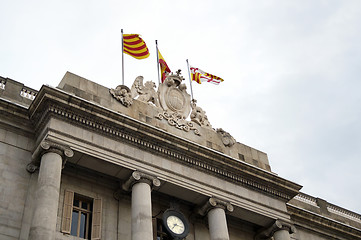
(198, 115)
(140, 177)
(227, 139)
(276, 226)
(214, 203)
(122, 94)
(45, 147)
(176, 120)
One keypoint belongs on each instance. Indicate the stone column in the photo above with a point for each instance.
(53, 156)
(216, 211)
(141, 185)
(279, 231)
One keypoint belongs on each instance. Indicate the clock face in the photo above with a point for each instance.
(175, 224)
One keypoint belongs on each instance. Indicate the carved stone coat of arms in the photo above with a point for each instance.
(173, 96)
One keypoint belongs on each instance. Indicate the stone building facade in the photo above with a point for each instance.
(84, 161)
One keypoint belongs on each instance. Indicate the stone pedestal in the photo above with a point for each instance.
(43, 225)
(216, 211)
(141, 185)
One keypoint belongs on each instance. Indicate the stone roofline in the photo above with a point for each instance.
(325, 207)
(16, 92)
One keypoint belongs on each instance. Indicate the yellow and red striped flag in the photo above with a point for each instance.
(164, 69)
(200, 76)
(135, 46)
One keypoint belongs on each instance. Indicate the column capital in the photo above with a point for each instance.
(275, 227)
(137, 177)
(214, 202)
(48, 146)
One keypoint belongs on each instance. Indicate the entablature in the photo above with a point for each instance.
(55, 103)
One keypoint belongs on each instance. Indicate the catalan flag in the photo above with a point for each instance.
(200, 76)
(134, 46)
(164, 69)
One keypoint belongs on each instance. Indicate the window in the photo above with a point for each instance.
(81, 216)
(159, 231)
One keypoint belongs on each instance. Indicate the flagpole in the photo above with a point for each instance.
(190, 80)
(156, 46)
(122, 59)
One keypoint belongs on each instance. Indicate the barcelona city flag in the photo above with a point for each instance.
(200, 76)
(135, 46)
(164, 69)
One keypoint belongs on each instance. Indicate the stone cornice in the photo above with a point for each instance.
(52, 102)
(321, 224)
(15, 116)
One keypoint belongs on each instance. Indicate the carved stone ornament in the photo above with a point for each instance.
(227, 139)
(138, 176)
(198, 115)
(214, 203)
(175, 102)
(146, 92)
(45, 147)
(173, 96)
(122, 94)
(278, 225)
(178, 121)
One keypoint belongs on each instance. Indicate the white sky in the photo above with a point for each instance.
(291, 69)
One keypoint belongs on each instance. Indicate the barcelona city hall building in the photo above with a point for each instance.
(81, 161)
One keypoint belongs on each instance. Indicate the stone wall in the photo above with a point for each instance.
(15, 154)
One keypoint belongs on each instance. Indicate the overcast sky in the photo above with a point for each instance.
(291, 70)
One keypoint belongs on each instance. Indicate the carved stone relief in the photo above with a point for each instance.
(175, 101)
(176, 120)
(122, 94)
(173, 95)
(227, 139)
(146, 92)
(198, 115)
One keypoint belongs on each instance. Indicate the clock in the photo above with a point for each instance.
(175, 223)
